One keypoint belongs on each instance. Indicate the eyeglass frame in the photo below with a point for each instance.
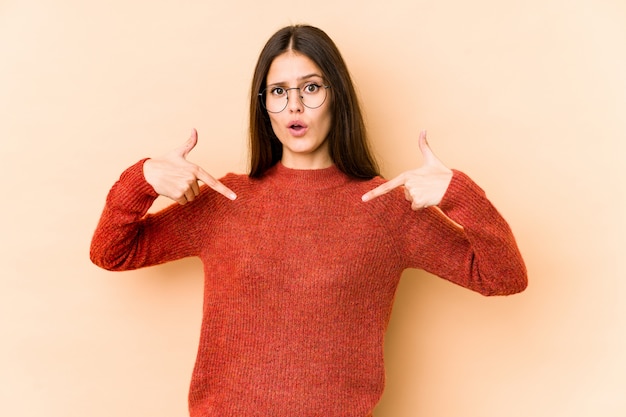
(326, 87)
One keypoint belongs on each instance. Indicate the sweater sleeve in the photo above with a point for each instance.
(467, 241)
(126, 237)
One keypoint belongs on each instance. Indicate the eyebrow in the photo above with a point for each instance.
(300, 79)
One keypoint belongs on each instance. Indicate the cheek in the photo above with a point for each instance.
(275, 123)
(327, 122)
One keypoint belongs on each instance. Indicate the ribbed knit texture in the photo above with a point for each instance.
(300, 277)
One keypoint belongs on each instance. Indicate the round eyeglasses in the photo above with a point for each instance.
(275, 99)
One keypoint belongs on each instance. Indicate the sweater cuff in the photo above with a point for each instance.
(463, 194)
(132, 191)
(134, 175)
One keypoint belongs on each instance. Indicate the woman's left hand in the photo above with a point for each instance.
(424, 186)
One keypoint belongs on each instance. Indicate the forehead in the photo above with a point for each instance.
(291, 66)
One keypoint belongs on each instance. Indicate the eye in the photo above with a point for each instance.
(311, 88)
(277, 91)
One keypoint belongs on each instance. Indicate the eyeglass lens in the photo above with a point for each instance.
(275, 99)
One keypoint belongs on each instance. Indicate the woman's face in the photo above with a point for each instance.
(301, 130)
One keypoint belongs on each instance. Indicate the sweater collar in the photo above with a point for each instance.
(311, 179)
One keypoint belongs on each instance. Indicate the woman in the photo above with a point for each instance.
(302, 256)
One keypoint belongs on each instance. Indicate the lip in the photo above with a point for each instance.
(297, 128)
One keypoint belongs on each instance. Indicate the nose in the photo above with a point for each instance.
(295, 101)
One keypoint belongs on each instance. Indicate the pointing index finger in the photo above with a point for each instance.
(384, 188)
(216, 185)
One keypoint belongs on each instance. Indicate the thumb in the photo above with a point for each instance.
(427, 153)
(190, 144)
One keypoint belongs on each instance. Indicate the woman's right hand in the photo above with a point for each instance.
(176, 178)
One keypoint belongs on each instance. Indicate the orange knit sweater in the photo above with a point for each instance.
(300, 277)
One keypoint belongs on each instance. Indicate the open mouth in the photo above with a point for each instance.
(297, 128)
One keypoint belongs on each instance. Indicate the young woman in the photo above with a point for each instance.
(303, 255)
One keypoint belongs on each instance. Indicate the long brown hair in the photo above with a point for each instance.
(347, 139)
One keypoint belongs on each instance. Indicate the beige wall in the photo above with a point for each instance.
(526, 96)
